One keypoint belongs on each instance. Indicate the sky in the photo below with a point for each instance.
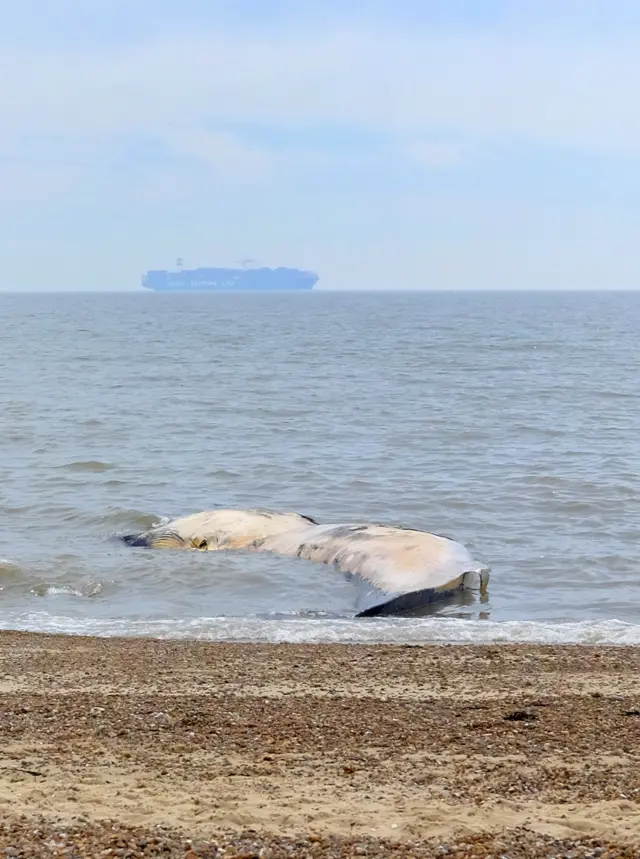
(413, 144)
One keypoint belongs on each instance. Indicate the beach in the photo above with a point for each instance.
(141, 747)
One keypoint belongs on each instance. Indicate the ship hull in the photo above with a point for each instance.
(230, 280)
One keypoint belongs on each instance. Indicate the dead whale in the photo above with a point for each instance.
(395, 569)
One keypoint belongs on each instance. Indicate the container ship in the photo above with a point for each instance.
(244, 279)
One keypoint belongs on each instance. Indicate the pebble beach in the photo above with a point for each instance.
(143, 747)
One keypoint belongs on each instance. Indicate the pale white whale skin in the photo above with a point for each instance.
(403, 567)
(219, 529)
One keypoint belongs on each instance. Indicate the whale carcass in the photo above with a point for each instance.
(396, 569)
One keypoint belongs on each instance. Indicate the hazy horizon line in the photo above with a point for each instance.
(360, 291)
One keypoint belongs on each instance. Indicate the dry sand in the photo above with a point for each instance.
(142, 748)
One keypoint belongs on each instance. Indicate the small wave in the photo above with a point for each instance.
(41, 511)
(130, 519)
(10, 571)
(91, 465)
(317, 631)
(47, 590)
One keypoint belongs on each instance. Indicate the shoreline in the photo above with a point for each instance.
(421, 632)
(346, 747)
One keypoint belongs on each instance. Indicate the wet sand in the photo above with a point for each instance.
(135, 747)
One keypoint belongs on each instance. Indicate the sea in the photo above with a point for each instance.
(509, 421)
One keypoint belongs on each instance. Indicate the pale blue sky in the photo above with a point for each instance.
(406, 144)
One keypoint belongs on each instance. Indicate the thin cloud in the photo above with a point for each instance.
(166, 128)
(537, 89)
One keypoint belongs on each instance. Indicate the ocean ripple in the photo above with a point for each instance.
(507, 422)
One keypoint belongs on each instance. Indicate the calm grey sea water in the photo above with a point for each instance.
(510, 422)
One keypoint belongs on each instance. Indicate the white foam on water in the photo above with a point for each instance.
(316, 631)
(55, 591)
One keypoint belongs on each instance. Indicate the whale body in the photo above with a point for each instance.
(396, 569)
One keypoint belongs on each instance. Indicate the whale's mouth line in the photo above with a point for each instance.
(164, 539)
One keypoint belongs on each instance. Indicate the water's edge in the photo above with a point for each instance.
(320, 631)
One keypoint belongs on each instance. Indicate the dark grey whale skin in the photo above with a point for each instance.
(376, 603)
(400, 604)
